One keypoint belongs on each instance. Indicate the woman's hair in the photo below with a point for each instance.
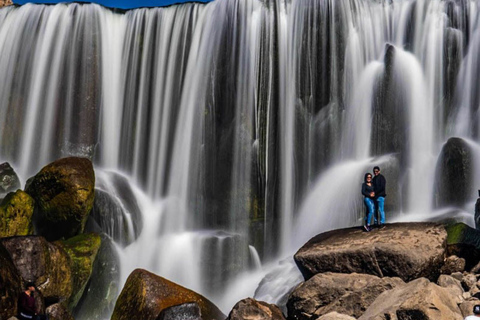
(366, 175)
(29, 284)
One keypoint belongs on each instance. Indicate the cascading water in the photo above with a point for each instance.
(242, 125)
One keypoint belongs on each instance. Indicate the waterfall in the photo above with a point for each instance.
(242, 125)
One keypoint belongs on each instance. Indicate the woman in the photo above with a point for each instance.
(367, 191)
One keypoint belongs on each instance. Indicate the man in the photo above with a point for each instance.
(26, 304)
(379, 185)
(476, 313)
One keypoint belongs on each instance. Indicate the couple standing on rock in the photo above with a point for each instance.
(374, 192)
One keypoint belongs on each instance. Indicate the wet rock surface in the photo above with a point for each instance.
(64, 193)
(16, 211)
(145, 295)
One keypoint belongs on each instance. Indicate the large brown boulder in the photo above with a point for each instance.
(404, 250)
(255, 310)
(419, 299)
(349, 294)
(82, 251)
(185, 311)
(16, 211)
(43, 263)
(10, 285)
(64, 194)
(145, 295)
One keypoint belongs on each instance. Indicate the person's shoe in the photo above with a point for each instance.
(367, 228)
(381, 226)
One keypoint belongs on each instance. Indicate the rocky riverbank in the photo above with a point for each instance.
(403, 271)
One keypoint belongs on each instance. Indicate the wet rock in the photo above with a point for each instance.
(99, 296)
(404, 250)
(477, 214)
(464, 242)
(8, 178)
(255, 310)
(145, 295)
(82, 251)
(453, 264)
(64, 194)
(110, 217)
(349, 294)
(185, 311)
(10, 285)
(16, 212)
(43, 263)
(453, 174)
(58, 311)
(419, 299)
(116, 210)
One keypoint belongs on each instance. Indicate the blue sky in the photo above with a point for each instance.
(123, 4)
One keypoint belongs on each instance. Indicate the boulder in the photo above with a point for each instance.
(110, 216)
(419, 299)
(16, 212)
(335, 316)
(453, 285)
(349, 294)
(185, 311)
(64, 195)
(145, 295)
(464, 242)
(453, 264)
(255, 310)
(8, 178)
(477, 214)
(454, 172)
(82, 251)
(10, 285)
(43, 263)
(104, 285)
(115, 209)
(58, 311)
(404, 250)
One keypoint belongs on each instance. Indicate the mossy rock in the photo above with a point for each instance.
(82, 251)
(98, 300)
(145, 295)
(464, 242)
(16, 212)
(64, 195)
(58, 311)
(10, 285)
(44, 263)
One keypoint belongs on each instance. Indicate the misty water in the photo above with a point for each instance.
(244, 127)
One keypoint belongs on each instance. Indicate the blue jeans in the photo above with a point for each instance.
(380, 205)
(371, 209)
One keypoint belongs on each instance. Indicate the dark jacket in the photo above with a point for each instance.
(366, 190)
(379, 184)
(26, 304)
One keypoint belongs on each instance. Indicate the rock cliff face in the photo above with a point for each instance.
(4, 3)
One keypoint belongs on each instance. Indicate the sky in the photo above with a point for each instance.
(122, 4)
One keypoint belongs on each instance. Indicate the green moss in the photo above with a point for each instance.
(82, 250)
(456, 233)
(16, 212)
